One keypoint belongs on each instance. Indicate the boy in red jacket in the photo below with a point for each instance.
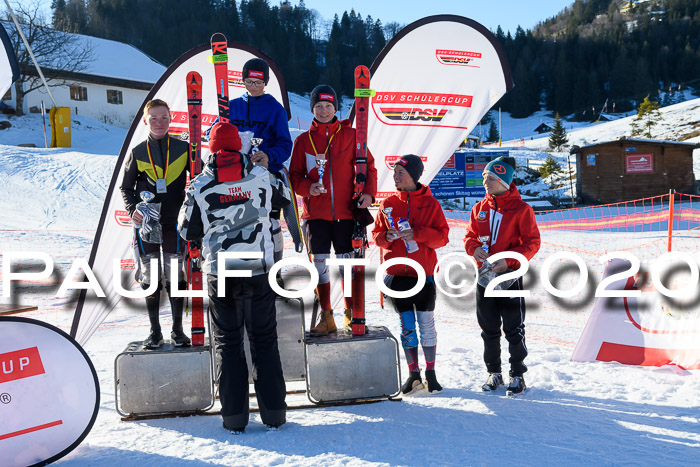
(502, 221)
(328, 206)
(428, 231)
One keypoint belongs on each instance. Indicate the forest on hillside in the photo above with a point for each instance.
(592, 51)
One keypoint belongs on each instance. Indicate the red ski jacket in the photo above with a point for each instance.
(430, 229)
(337, 140)
(508, 221)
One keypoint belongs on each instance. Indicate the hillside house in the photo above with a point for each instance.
(111, 88)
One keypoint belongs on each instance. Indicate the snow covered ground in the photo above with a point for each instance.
(573, 413)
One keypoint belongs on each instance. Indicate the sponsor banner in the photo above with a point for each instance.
(639, 163)
(235, 78)
(112, 242)
(181, 119)
(20, 364)
(458, 57)
(422, 98)
(389, 161)
(122, 218)
(426, 106)
(9, 67)
(650, 330)
(49, 393)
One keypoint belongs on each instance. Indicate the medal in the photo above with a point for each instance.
(161, 186)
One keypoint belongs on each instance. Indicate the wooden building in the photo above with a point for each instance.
(631, 168)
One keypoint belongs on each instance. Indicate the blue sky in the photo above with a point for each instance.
(508, 13)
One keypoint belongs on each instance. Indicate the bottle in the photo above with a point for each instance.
(411, 245)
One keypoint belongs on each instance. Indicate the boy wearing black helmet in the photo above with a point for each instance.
(328, 193)
(261, 113)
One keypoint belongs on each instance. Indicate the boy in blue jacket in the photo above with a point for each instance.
(261, 113)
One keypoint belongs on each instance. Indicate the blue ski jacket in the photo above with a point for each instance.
(267, 119)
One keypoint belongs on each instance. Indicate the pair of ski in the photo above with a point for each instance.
(219, 49)
(359, 236)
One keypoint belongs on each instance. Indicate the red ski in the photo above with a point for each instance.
(219, 57)
(359, 238)
(194, 269)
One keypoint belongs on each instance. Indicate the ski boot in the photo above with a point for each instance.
(153, 341)
(494, 382)
(273, 426)
(155, 337)
(348, 319)
(516, 386)
(178, 336)
(433, 385)
(413, 383)
(239, 430)
(325, 325)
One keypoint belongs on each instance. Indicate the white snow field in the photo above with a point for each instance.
(572, 413)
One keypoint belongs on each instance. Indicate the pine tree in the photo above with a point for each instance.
(550, 166)
(648, 116)
(558, 138)
(493, 132)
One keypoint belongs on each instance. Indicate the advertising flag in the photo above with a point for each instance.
(434, 81)
(113, 239)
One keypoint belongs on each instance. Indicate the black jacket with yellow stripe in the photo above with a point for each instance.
(139, 176)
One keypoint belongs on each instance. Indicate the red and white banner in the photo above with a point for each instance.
(114, 232)
(650, 330)
(434, 82)
(49, 393)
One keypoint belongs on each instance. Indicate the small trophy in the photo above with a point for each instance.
(486, 272)
(320, 163)
(387, 213)
(255, 142)
(484, 239)
(147, 196)
(151, 230)
(389, 219)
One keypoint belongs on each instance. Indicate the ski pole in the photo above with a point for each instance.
(43, 118)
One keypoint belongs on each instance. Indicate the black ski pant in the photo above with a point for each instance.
(249, 303)
(491, 312)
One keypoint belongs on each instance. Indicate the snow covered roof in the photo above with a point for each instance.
(111, 59)
(625, 139)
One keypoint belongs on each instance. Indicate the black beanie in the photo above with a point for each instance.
(323, 92)
(256, 68)
(413, 165)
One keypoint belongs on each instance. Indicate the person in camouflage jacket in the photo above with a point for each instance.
(227, 206)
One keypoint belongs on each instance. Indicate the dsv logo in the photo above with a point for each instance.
(413, 114)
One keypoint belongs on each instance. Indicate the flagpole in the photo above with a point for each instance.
(31, 54)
